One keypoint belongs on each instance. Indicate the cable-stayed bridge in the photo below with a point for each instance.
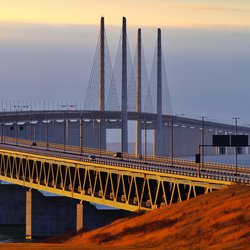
(64, 152)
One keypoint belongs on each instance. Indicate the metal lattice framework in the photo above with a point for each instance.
(129, 189)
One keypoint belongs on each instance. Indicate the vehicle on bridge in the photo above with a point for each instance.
(118, 155)
(92, 157)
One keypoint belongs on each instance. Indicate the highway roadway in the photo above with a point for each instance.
(161, 165)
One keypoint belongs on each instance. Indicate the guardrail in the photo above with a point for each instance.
(180, 166)
(135, 166)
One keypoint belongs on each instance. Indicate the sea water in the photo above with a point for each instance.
(12, 233)
(242, 159)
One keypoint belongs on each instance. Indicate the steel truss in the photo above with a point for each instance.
(129, 189)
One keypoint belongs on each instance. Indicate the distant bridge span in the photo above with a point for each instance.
(181, 135)
(39, 115)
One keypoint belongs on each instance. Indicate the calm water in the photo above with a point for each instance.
(228, 159)
(12, 234)
(17, 233)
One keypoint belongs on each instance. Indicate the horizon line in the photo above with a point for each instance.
(177, 26)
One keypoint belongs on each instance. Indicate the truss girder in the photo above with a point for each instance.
(132, 190)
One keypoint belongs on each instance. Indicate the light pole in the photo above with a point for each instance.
(2, 130)
(81, 123)
(122, 149)
(16, 129)
(31, 127)
(47, 130)
(100, 134)
(64, 131)
(3, 126)
(145, 136)
(66, 107)
(18, 108)
(172, 140)
(202, 139)
(236, 148)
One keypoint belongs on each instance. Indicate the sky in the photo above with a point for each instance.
(161, 12)
(47, 49)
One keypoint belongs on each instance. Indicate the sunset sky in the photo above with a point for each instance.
(47, 49)
(146, 12)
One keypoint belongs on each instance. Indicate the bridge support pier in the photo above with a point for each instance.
(79, 216)
(28, 226)
(102, 134)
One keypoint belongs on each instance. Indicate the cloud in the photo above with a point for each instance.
(224, 9)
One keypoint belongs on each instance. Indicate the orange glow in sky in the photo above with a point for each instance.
(138, 12)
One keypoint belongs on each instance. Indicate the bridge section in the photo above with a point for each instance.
(181, 136)
(130, 184)
(119, 184)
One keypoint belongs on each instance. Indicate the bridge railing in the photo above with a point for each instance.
(176, 170)
(86, 150)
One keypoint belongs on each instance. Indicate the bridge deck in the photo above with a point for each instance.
(130, 184)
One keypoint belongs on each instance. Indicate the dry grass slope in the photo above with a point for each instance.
(219, 220)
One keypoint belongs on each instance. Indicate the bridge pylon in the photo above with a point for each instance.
(101, 102)
(158, 150)
(138, 147)
(124, 112)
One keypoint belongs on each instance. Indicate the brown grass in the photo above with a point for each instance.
(219, 220)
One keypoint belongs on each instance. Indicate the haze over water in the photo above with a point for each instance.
(207, 68)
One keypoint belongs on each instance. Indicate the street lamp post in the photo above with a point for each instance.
(81, 123)
(47, 130)
(3, 126)
(64, 131)
(122, 147)
(202, 140)
(236, 148)
(66, 107)
(16, 128)
(100, 136)
(145, 136)
(172, 140)
(2, 129)
(2, 132)
(31, 127)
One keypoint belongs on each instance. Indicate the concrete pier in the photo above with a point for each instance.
(79, 216)
(28, 225)
(43, 216)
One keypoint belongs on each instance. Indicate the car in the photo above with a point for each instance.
(118, 155)
(33, 143)
(91, 157)
(139, 157)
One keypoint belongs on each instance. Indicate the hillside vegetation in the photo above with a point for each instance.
(219, 220)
